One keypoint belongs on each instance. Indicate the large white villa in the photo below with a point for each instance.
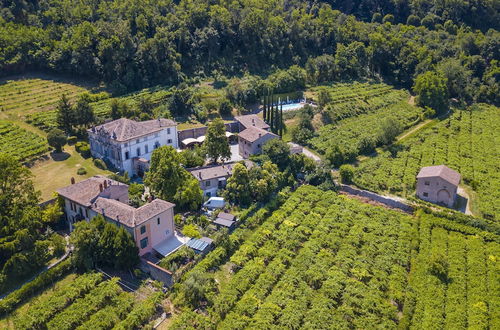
(128, 144)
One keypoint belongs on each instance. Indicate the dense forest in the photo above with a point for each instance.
(133, 44)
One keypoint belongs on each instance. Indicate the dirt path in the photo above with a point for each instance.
(414, 129)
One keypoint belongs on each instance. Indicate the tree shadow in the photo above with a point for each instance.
(59, 156)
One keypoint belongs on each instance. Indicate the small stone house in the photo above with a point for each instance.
(213, 178)
(251, 140)
(438, 184)
(248, 121)
(151, 225)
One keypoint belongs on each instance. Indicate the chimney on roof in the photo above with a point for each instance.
(199, 174)
(260, 134)
(72, 180)
(150, 199)
(105, 184)
(100, 187)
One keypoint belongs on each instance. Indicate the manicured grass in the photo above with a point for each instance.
(50, 174)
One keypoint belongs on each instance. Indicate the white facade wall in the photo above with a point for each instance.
(121, 154)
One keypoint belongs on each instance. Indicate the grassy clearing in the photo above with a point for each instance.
(57, 171)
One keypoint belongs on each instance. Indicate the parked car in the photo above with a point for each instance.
(215, 203)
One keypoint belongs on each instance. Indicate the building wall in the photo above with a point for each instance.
(155, 233)
(211, 190)
(199, 131)
(247, 148)
(433, 188)
(121, 154)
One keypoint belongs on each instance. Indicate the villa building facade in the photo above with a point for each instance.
(128, 144)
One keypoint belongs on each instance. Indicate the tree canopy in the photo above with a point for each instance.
(216, 144)
(168, 180)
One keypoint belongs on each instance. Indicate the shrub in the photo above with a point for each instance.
(81, 171)
(191, 231)
(99, 163)
(346, 173)
(72, 140)
(83, 148)
(85, 152)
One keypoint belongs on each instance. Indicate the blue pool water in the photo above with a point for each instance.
(292, 106)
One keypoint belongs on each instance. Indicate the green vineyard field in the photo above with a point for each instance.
(356, 113)
(24, 96)
(46, 120)
(86, 302)
(20, 143)
(325, 260)
(467, 294)
(468, 142)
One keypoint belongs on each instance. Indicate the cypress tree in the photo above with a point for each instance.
(264, 106)
(281, 120)
(271, 115)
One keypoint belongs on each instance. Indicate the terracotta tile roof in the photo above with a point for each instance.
(252, 134)
(124, 129)
(116, 210)
(251, 121)
(213, 172)
(441, 171)
(226, 216)
(88, 193)
(85, 191)
(128, 215)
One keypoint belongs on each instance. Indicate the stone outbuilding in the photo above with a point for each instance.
(438, 184)
(252, 139)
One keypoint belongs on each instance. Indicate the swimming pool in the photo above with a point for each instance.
(293, 106)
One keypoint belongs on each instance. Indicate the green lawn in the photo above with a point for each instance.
(51, 174)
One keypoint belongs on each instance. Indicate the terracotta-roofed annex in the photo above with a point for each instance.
(84, 192)
(125, 129)
(213, 172)
(251, 121)
(99, 193)
(252, 134)
(441, 171)
(128, 215)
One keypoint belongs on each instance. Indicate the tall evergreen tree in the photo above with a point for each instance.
(282, 124)
(65, 114)
(116, 111)
(264, 105)
(271, 115)
(84, 114)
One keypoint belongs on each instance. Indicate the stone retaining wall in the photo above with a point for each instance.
(376, 197)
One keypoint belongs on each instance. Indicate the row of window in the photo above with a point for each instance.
(146, 149)
(79, 209)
